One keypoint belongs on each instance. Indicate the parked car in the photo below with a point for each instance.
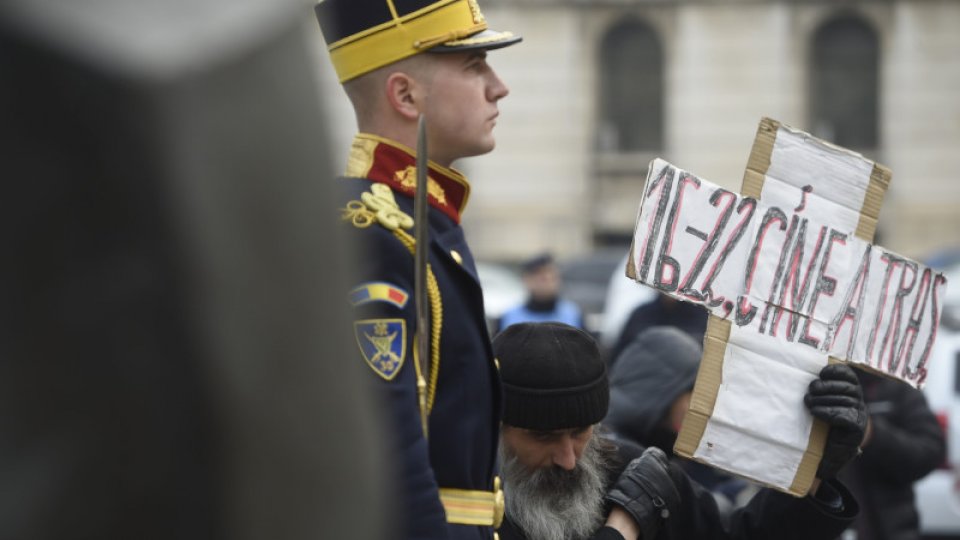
(938, 495)
(951, 301)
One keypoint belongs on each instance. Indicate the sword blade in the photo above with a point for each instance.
(422, 237)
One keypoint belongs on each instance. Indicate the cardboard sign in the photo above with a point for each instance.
(785, 272)
(792, 282)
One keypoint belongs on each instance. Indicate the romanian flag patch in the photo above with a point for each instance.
(383, 343)
(379, 291)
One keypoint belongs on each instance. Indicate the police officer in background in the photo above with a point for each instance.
(397, 61)
(541, 277)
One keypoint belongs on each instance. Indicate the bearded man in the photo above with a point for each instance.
(563, 480)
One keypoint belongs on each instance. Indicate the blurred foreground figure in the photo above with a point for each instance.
(173, 361)
(563, 480)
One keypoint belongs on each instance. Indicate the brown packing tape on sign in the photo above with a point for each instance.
(807, 470)
(752, 183)
(631, 269)
(706, 387)
(759, 161)
(880, 178)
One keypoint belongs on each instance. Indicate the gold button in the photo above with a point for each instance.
(456, 256)
(496, 363)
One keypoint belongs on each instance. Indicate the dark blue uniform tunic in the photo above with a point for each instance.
(464, 418)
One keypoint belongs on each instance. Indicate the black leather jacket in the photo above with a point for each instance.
(906, 443)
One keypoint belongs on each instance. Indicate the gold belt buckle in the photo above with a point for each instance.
(498, 505)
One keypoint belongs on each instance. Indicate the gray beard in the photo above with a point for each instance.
(554, 504)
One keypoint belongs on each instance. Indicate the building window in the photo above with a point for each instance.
(844, 80)
(631, 89)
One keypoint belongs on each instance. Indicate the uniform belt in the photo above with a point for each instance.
(471, 507)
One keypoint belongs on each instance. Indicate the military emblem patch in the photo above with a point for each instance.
(383, 343)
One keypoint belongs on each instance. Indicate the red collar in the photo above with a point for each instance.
(393, 164)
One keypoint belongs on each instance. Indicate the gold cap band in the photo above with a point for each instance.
(405, 36)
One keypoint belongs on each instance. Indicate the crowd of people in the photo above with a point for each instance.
(537, 435)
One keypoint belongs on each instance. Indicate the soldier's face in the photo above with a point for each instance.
(461, 105)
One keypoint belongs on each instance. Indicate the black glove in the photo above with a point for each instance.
(646, 491)
(836, 399)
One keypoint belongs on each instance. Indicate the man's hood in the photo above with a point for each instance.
(658, 366)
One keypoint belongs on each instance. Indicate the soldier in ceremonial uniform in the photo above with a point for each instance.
(397, 60)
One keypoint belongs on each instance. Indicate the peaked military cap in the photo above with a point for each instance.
(363, 35)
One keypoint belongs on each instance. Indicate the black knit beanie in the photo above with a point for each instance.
(553, 377)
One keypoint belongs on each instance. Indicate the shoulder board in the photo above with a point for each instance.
(377, 206)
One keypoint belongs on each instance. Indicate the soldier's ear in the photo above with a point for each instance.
(404, 94)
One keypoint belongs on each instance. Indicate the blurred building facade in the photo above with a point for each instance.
(600, 87)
